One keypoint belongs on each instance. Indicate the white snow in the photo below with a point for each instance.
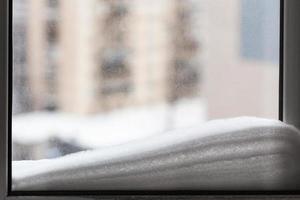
(241, 153)
(107, 129)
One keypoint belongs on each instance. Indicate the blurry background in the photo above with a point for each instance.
(94, 73)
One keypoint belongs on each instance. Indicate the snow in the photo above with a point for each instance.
(241, 153)
(107, 129)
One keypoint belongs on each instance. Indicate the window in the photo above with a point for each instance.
(53, 3)
(83, 109)
(93, 75)
(52, 32)
(114, 64)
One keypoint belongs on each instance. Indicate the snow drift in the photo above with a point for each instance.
(106, 129)
(234, 154)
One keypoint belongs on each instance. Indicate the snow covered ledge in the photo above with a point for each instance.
(234, 154)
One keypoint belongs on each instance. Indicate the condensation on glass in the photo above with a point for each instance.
(96, 73)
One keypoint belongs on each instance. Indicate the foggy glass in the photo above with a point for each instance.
(97, 73)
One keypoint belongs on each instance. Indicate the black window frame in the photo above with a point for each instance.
(289, 111)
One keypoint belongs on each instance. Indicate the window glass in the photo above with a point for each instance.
(90, 74)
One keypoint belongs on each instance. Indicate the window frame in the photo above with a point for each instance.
(289, 111)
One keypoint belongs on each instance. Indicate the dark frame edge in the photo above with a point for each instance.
(291, 62)
(3, 96)
(9, 94)
(281, 61)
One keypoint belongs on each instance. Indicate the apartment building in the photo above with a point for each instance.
(97, 55)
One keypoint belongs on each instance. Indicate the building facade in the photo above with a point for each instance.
(97, 55)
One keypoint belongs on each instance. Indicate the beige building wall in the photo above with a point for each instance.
(76, 70)
(232, 85)
(78, 81)
(36, 54)
(149, 40)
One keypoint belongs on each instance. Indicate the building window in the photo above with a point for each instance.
(114, 64)
(53, 4)
(52, 31)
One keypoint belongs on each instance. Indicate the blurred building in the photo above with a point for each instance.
(241, 46)
(21, 97)
(97, 55)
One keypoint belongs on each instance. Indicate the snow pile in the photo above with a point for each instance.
(242, 153)
(113, 128)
